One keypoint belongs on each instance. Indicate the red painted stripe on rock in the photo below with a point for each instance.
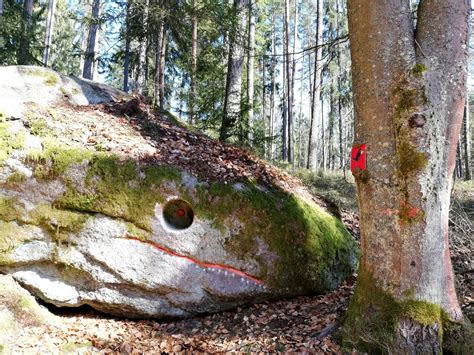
(195, 261)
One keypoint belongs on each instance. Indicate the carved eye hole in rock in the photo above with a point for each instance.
(178, 214)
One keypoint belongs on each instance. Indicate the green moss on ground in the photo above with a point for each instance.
(9, 141)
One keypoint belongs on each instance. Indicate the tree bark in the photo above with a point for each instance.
(158, 68)
(49, 31)
(409, 95)
(126, 64)
(250, 70)
(232, 112)
(194, 45)
(316, 104)
(273, 85)
(289, 89)
(162, 78)
(291, 139)
(91, 41)
(142, 52)
(466, 142)
(24, 56)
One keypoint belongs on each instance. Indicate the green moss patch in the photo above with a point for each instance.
(418, 70)
(9, 141)
(370, 323)
(307, 240)
(59, 223)
(9, 211)
(50, 78)
(117, 189)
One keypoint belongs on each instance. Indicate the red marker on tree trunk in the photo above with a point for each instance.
(358, 159)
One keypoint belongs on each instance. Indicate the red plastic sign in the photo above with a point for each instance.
(358, 157)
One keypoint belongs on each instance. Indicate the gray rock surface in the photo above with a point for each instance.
(82, 226)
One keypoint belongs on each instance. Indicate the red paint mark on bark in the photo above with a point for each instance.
(358, 157)
(195, 261)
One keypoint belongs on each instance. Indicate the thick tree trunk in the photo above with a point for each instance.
(91, 41)
(49, 31)
(316, 104)
(466, 142)
(250, 70)
(409, 98)
(231, 114)
(194, 45)
(24, 56)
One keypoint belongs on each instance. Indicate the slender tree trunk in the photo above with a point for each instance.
(466, 142)
(289, 87)
(91, 41)
(164, 44)
(49, 31)
(272, 97)
(158, 51)
(323, 131)
(331, 123)
(291, 139)
(316, 92)
(24, 56)
(250, 70)
(126, 64)
(409, 95)
(232, 112)
(142, 52)
(1, 8)
(339, 90)
(266, 124)
(194, 48)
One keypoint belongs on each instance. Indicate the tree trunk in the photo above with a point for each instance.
(466, 142)
(142, 53)
(316, 92)
(49, 31)
(339, 90)
(289, 88)
(194, 45)
(266, 124)
(158, 69)
(250, 70)
(126, 64)
(409, 95)
(291, 138)
(162, 77)
(273, 85)
(231, 114)
(91, 41)
(24, 56)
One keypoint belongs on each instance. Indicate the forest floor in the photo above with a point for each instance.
(302, 324)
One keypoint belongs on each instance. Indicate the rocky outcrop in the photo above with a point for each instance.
(95, 209)
(18, 309)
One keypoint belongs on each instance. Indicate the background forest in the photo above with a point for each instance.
(271, 75)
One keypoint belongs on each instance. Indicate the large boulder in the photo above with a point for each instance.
(114, 207)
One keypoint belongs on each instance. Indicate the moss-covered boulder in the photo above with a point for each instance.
(115, 207)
